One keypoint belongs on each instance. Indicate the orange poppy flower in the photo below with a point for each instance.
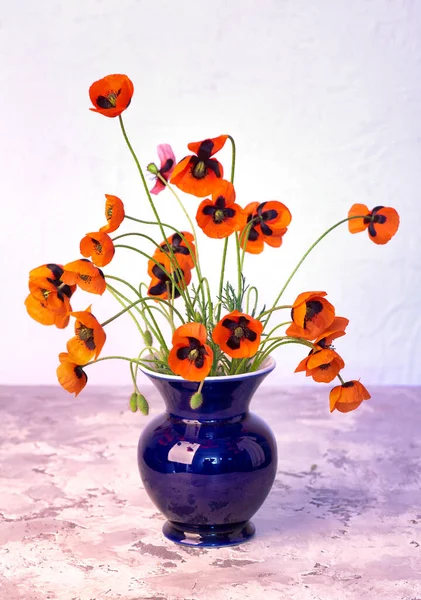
(48, 302)
(178, 244)
(42, 311)
(111, 95)
(161, 285)
(99, 247)
(348, 396)
(196, 174)
(322, 365)
(336, 329)
(70, 375)
(190, 356)
(220, 217)
(114, 213)
(83, 273)
(89, 339)
(311, 315)
(270, 222)
(382, 222)
(238, 335)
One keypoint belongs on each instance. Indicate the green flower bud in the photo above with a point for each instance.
(197, 317)
(152, 168)
(196, 400)
(133, 402)
(147, 338)
(142, 404)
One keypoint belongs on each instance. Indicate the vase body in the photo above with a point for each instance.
(210, 469)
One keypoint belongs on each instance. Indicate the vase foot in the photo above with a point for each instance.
(212, 536)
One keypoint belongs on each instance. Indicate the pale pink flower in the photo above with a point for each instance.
(167, 158)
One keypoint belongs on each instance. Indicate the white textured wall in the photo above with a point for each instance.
(323, 99)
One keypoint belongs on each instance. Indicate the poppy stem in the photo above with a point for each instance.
(224, 251)
(239, 279)
(340, 379)
(115, 293)
(268, 337)
(261, 356)
(300, 262)
(148, 194)
(271, 310)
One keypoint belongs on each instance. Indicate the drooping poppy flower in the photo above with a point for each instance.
(99, 247)
(111, 95)
(167, 160)
(89, 339)
(312, 314)
(220, 217)
(87, 276)
(181, 246)
(70, 375)
(348, 396)
(48, 302)
(238, 335)
(270, 222)
(336, 329)
(381, 223)
(190, 356)
(42, 311)
(114, 213)
(161, 285)
(321, 365)
(196, 174)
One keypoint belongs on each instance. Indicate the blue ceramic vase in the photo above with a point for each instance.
(208, 470)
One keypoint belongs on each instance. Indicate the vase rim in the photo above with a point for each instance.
(268, 365)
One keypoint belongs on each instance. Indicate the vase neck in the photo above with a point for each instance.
(223, 398)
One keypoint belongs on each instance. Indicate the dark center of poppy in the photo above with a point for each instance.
(175, 244)
(55, 270)
(109, 213)
(348, 384)
(45, 293)
(195, 352)
(313, 308)
(86, 334)
(199, 170)
(79, 372)
(218, 216)
(87, 278)
(165, 283)
(108, 101)
(98, 246)
(166, 166)
(325, 366)
(239, 331)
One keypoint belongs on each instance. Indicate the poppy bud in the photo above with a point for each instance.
(198, 317)
(147, 338)
(133, 402)
(152, 168)
(196, 400)
(142, 404)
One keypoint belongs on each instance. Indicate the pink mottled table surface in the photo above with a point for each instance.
(343, 520)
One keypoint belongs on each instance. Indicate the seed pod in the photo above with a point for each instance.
(196, 400)
(133, 402)
(147, 338)
(142, 404)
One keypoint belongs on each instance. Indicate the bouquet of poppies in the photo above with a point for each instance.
(211, 335)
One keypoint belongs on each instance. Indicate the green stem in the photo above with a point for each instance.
(340, 379)
(300, 262)
(271, 310)
(115, 293)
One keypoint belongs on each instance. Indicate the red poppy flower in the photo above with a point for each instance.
(311, 315)
(48, 302)
(178, 244)
(238, 335)
(99, 247)
(220, 217)
(322, 365)
(161, 285)
(89, 339)
(114, 213)
(111, 95)
(382, 222)
(190, 356)
(270, 222)
(70, 375)
(83, 273)
(336, 329)
(348, 396)
(196, 174)
(167, 159)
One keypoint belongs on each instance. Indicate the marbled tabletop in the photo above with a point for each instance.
(343, 520)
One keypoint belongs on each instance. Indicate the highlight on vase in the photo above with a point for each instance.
(203, 330)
